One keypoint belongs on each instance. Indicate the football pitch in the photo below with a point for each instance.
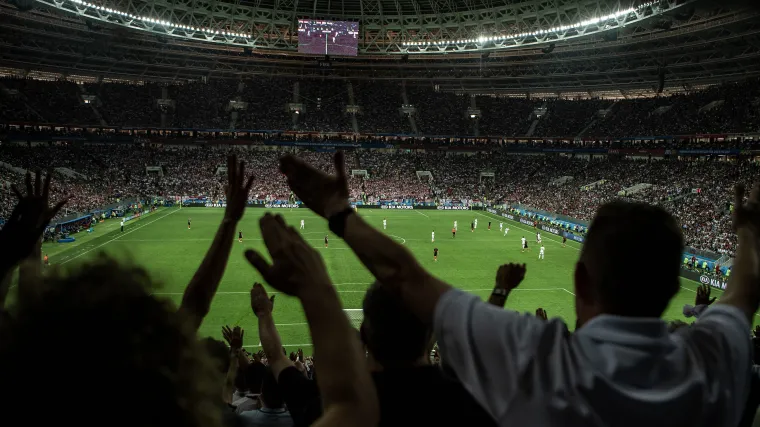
(162, 244)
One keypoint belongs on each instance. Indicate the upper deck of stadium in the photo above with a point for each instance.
(586, 48)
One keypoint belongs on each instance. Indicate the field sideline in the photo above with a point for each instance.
(162, 243)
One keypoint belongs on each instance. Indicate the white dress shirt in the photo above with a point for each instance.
(614, 371)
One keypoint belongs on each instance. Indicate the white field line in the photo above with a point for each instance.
(361, 291)
(425, 215)
(117, 237)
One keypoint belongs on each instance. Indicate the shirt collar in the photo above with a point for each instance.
(273, 410)
(629, 331)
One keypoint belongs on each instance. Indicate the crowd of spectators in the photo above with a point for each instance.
(726, 108)
(697, 192)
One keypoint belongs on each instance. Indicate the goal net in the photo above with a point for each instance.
(355, 316)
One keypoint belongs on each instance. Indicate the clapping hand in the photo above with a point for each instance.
(28, 220)
(541, 314)
(324, 194)
(261, 304)
(237, 189)
(296, 267)
(703, 296)
(509, 276)
(233, 336)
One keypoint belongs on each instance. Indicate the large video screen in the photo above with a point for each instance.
(328, 37)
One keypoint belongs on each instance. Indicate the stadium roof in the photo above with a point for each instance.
(583, 47)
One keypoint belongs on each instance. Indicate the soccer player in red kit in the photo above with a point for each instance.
(435, 254)
(325, 240)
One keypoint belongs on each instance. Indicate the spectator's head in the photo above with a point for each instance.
(393, 336)
(270, 392)
(97, 331)
(254, 377)
(630, 262)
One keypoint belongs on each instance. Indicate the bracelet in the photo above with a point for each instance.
(337, 222)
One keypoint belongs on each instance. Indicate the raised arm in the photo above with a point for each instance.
(743, 289)
(342, 374)
(262, 306)
(508, 277)
(196, 302)
(24, 227)
(391, 263)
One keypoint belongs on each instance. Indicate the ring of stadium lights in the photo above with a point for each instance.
(483, 39)
(157, 21)
(480, 41)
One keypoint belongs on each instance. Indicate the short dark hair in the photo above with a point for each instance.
(270, 391)
(633, 253)
(103, 330)
(392, 333)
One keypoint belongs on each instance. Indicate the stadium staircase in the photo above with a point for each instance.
(405, 100)
(296, 100)
(596, 119)
(92, 106)
(165, 119)
(25, 101)
(239, 97)
(352, 101)
(534, 123)
(475, 123)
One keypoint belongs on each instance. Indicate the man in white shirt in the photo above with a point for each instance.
(501, 226)
(122, 224)
(455, 226)
(385, 223)
(506, 230)
(302, 225)
(541, 252)
(432, 237)
(476, 223)
(621, 367)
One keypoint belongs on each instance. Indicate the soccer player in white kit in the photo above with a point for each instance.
(302, 225)
(523, 244)
(455, 226)
(541, 252)
(501, 226)
(538, 237)
(385, 223)
(432, 237)
(506, 230)
(476, 223)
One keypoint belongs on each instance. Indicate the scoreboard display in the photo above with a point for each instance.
(320, 37)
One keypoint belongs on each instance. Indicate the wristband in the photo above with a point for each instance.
(337, 222)
(500, 292)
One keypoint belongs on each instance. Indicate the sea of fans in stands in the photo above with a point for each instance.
(264, 103)
(696, 192)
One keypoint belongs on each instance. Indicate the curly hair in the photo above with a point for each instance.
(104, 350)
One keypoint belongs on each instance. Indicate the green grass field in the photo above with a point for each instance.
(162, 243)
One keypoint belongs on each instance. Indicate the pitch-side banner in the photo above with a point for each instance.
(402, 207)
(714, 282)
